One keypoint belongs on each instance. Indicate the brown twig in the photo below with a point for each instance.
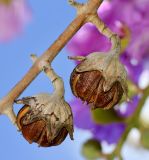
(87, 9)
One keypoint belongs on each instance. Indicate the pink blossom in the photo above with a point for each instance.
(13, 17)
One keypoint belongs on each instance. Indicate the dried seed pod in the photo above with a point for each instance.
(45, 119)
(99, 79)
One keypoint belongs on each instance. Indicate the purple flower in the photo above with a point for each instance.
(111, 133)
(13, 17)
(88, 40)
(82, 115)
(126, 109)
(83, 119)
(134, 69)
(135, 15)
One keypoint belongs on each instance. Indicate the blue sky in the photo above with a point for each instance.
(49, 20)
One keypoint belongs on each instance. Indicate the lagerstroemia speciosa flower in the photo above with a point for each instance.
(99, 131)
(129, 19)
(14, 14)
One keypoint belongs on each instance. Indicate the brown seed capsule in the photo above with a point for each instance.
(43, 122)
(96, 80)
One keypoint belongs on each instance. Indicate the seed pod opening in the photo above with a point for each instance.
(37, 131)
(96, 80)
(43, 123)
(88, 86)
